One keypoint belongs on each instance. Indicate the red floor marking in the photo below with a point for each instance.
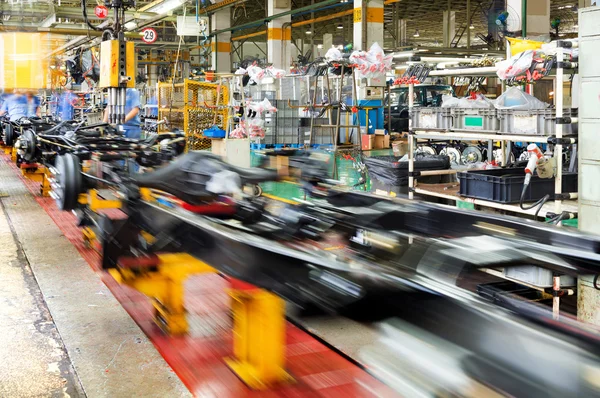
(198, 358)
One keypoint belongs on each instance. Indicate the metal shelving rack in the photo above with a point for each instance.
(415, 134)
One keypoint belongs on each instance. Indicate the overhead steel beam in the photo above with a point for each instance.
(294, 24)
(276, 16)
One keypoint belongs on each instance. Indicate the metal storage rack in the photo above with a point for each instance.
(559, 141)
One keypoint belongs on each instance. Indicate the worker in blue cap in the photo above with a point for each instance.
(21, 104)
(132, 126)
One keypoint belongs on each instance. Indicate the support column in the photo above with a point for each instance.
(368, 23)
(401, 36)
(153, 75)
(368, 29)
(536, 16)
(588, 296)
(279, 35)
(327, 42)
(449, 27)
(221, 44)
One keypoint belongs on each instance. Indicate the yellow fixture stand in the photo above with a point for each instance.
(163, 283)
(258, 316)
(258, 338)
(95, 202)
(39, 174)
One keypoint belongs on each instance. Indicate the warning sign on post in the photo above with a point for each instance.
(101, 12)
(149, 35)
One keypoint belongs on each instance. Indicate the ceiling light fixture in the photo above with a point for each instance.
(471, 27)
(416, 33)
(166, 6)
(309, 32)
(340, 26)
(319, 46)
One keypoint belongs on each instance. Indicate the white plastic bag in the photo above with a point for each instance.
(449, 101)
(333, 54)
(516, 99)
(481, 102)
(516, 65)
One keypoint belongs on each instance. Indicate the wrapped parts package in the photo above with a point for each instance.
(516, 99)
(275, 73)
(372, 63)
(258, 108)
(257, 74)
(250, 128)
(393, 171)
(253, 126)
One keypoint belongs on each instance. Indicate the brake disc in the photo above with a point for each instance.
(453, 153)
(27, 145)
(426, 149)
(472, 154)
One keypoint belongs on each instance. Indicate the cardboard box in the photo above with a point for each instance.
(381, 142)
(400, 147)
(367, 141)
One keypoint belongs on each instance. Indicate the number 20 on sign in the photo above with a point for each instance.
(149, 35)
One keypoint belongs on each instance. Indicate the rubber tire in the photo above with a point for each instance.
(9, 134)
(70, 179)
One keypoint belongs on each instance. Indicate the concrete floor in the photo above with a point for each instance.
(31, 348)
(62, 333)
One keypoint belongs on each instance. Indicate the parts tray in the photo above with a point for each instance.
(505, 185)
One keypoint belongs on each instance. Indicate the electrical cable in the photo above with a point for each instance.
(539, 203)
(85, 16)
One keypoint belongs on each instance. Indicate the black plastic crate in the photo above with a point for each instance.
(505, 185)
(388, 170)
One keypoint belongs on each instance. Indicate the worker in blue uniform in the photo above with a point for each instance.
(132, 126)
(66, 105)
(21, 105)
(33, 104)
